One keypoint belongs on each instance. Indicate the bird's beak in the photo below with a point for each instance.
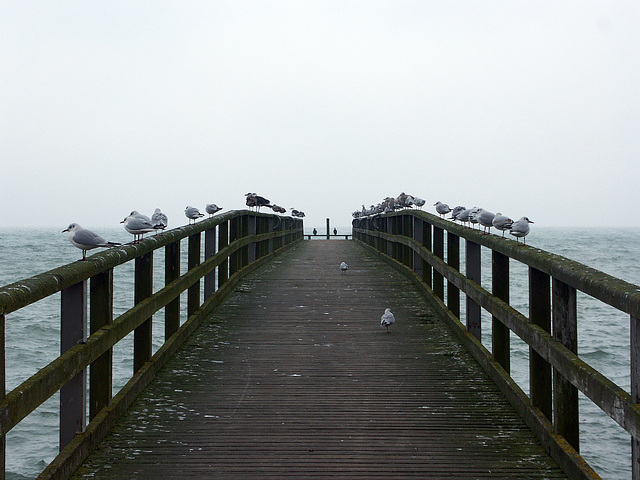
(123, 220)
(65, 230)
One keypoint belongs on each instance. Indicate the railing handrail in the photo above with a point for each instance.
(27, 291)
(618, 293)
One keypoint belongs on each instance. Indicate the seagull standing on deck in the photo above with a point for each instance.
(387, 319)
(344, 267)
(85, 239)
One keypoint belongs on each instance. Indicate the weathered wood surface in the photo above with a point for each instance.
(294, 378)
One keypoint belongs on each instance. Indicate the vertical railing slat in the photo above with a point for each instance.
(209, 251)
(73, 329)
(500, 336)
(635, 391)
(3, 393)
(143, 334)
(453, 260)
(474, 322)
(193, 260)
(223, 241)
(539, 369)
(171, 273)
(438, 251)
(101, 315)
(565, 331)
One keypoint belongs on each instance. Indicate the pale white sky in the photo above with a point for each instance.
(524, 107)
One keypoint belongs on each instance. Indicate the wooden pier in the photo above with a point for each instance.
(292, 377)
(272, 363)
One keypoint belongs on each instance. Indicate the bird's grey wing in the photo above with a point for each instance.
(87, 237)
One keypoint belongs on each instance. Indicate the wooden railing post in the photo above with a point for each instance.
(101, 315)
(426, 241)
(253, 247)
(171, 273)
(540, 314)
(565, 331)
(73, 329)
(234, 234)
(500, 340)
(438, 251)
(209, 251)
(418, 236)
(193, 260)
(453, 260)
(3, 393)
(635, 391)
(143, 334)
(474, 322)
(223, 241)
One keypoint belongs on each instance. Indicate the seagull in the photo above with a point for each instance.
(502, 223)
(192, 213)
(419, 202)
(344, 267)
(521, 229)
(387, 319)
(278, 208)
(456, 212)
(137, 226)
(212, 208)
(442, 208)
(257, 201)
(485, 219)
(137, 214)
(159, 220)
(85, 239)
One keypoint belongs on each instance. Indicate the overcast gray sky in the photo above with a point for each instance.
(528, 108)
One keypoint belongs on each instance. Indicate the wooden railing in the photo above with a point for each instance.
(414, 242)
(235, 243)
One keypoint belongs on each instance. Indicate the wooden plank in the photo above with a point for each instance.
(293, 377)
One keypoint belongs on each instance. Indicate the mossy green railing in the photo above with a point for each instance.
(414, 242)
(235, 243)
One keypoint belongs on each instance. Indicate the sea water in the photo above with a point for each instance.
(33, 333)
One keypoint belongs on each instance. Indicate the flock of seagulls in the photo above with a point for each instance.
(137, 224)
(466, 216)
(256, 201)
(479, 216)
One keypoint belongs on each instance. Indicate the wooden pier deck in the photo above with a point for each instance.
(293, 377)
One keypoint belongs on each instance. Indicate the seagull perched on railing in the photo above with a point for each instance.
(257, 201)
(137, 225)
(520, 229)
(212, 208)
(485, 218)
(85, 239)
(159, 220)
(442, 208)
(192, 213)
(387, 319)
(502, 222)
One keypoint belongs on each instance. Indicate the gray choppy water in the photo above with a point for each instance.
(32, 334)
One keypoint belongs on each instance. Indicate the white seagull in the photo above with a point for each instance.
(212, 208)
(192, 213)
(159, 220)
(85, 239)
(520, 229)
(502, 223)
(485, 218)
(344, 267)
(442, 208)
(387, 319)
(137, 225)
